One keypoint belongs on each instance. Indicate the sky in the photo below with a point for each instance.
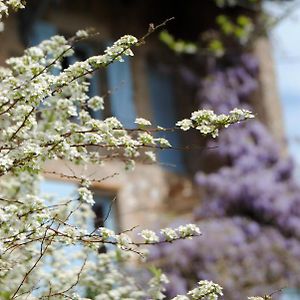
(285, 38)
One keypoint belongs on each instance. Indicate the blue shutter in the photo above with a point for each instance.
(95, 85)
(88, 51)
(41, 30)
(164, 114)
(121, 99)
(95, 89)
(58, 189)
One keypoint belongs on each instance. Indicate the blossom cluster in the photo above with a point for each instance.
(170, 234)
(46, 247)
(148, 236)
(13, 4)
(207, 122)
(206, 290)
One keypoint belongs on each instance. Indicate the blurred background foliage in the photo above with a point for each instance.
(250, 213)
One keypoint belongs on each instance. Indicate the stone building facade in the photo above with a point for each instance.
(145, 87)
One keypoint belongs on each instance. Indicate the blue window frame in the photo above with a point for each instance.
(118, 75)
(58, 189)
(104, 208)
(82, 52)
(120, 83)
(41, 30)
(164, 114)
(290, 294)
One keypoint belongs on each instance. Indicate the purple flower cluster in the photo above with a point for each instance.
(228, 88)
(239, 254)
(250, 217)
(258, 183)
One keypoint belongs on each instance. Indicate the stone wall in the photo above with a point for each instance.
(147, 197)
(266, 101)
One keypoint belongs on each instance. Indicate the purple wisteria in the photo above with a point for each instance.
(250, 217)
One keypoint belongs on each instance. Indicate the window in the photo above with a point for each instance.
(97, 81)
(58, 189)
(41, 30)
(164, 114)
(105, 210)
(116, 78)
(121, 98)
(290, 294)
(104, 207)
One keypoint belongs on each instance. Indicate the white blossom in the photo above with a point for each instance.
(142, 122)
(82, 33)
(185, 124)
(181, 297)
(206, 290)
(151, 155)
(96, 103)
(163, 142)
(169, 234)
(146, 138)
(86, 195)
(106, 233)
(123, 241)
(188, 230)
(149, 236)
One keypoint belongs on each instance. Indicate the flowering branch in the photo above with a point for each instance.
(46, 117)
